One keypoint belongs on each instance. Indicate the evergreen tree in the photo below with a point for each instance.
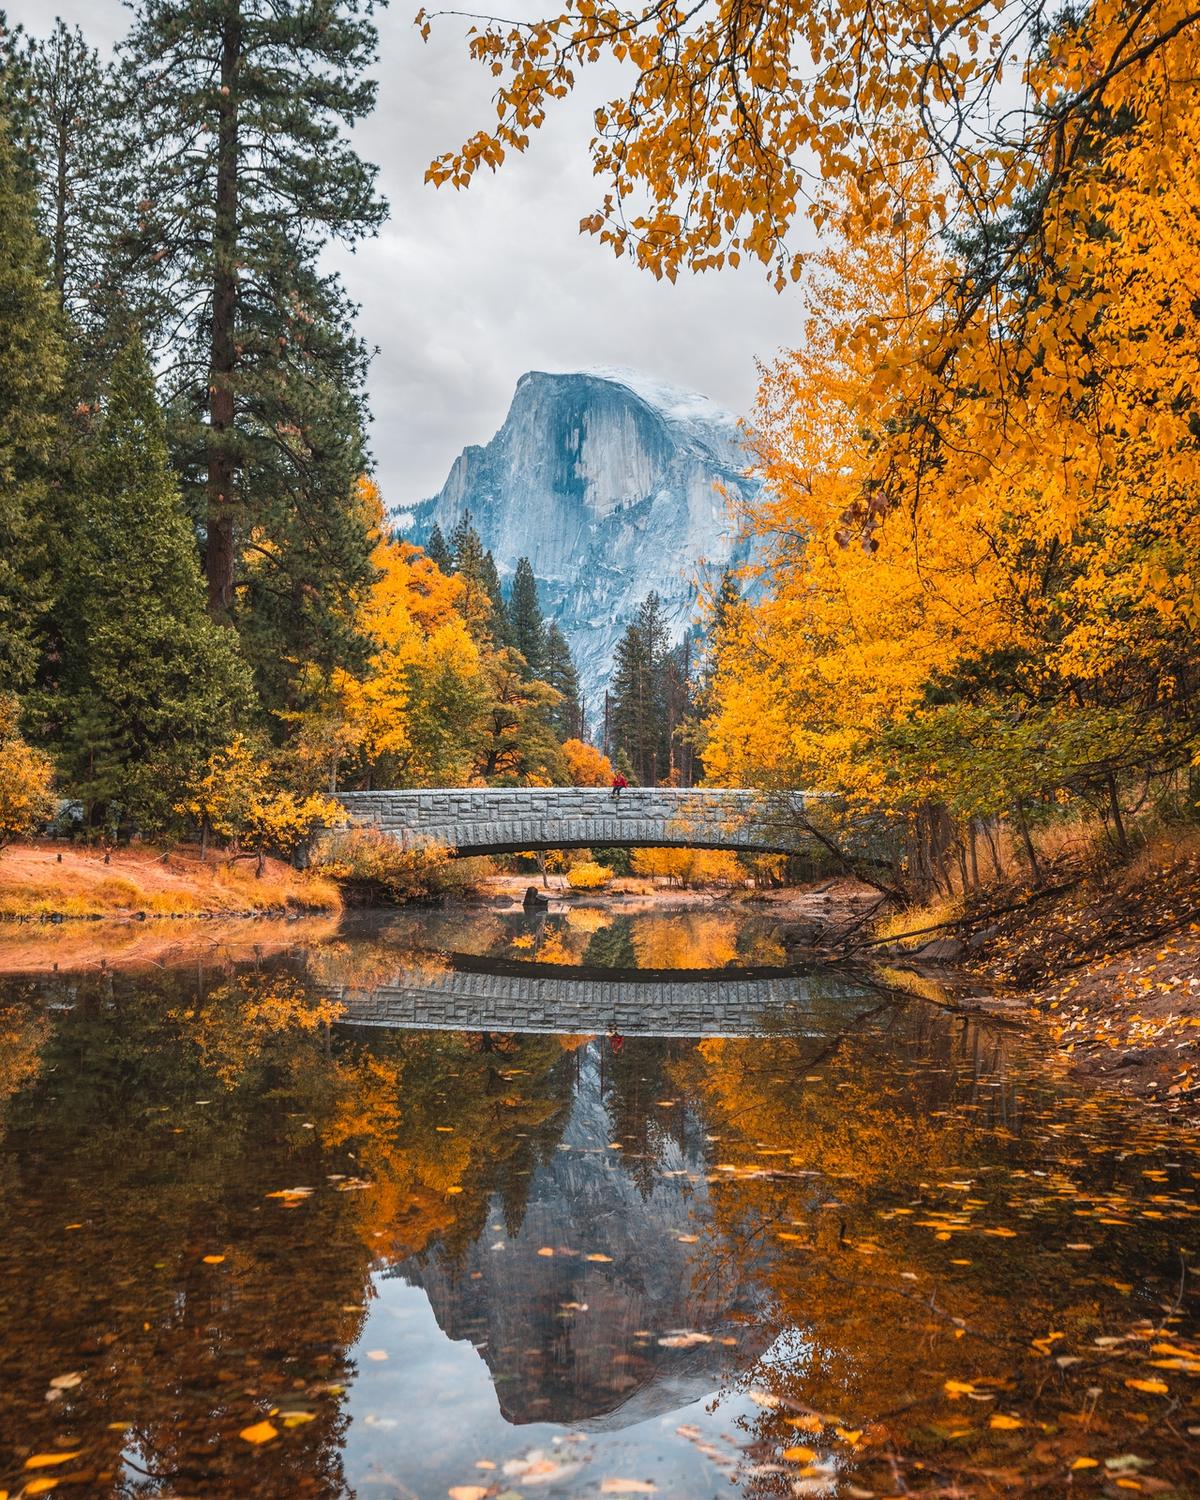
(562, 676)
(437, 551)
(242, 107)
(501, 626)
(526, 624)
(639, 704)
(149, 684)
(32, 368)
(485, 609)
(82, 155)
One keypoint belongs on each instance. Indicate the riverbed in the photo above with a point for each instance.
(572, 1203)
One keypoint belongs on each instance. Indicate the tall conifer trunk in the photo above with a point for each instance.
(222, 501)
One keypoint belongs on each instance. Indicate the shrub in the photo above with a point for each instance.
(26, 779)
(589, 876)
(373, 866)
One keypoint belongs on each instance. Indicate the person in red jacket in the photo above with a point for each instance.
(618, 784)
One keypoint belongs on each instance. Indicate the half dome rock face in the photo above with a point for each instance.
(607, 480)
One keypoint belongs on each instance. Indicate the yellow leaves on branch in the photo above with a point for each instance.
(732, 122)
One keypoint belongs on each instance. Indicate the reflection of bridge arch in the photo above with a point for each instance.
(503, 820)
(486, 995)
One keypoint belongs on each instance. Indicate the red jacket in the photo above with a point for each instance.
(619, 781)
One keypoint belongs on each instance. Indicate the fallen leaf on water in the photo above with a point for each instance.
(467, 1491)
(536, 1468)
(546, 1250)
(260, 1432)
(606, 1259)
(628, 1487)
(849, 1435)
(956, 1388)
(66, 1382)
(687, 1239)
(213, 1260)
(376, 1353)
(799, 1454)
(684, 1340)
(764, 1399)
(1151, 1387)
(48, 1460)
(806, 1424)
(1086, 1463)
(296, 1192)
(297, 1418)
(39, 1486)
(1002, 1233)
(1003, 1423)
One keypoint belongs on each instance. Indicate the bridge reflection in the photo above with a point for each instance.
(467, 992)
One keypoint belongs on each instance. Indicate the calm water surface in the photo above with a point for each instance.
(863, 1246)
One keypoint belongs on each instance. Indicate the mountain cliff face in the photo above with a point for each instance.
(607, 481)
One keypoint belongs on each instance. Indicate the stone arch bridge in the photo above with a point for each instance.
(506, 820)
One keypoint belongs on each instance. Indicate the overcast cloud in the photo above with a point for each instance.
(463, 292)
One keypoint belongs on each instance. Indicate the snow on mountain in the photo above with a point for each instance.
(607, 479)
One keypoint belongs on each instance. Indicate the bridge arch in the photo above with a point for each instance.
(506, 820)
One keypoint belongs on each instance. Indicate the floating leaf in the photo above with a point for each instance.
(604, 1259)
(1005, 1424)
(66, 1382)
(799, 1454)
(1086, 1463)
(1151, 1387)
(49, 1460)
(260, 1432)
(213, 1260)
(628, 1487)
(467, 1491)
(377, 1354)
(297, 1418)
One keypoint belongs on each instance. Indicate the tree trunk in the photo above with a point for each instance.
(221, 546)
(1114, 807)
(1030, 851)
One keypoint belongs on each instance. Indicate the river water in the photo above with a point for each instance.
(280, 1224)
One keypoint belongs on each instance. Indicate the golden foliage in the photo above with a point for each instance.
(587, 766)
(26, 778)
(689, 866)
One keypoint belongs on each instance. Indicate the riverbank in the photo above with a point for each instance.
(1103, 961)
(58, 882)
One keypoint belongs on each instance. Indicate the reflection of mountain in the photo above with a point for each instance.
(574, 1340)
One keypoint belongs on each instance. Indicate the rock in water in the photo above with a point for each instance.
(607, 480)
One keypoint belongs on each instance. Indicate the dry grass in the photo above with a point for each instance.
(36, 882)
(917, 919)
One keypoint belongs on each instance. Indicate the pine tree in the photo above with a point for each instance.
(639, 706)
(32, 368)
(149, 685)
(562, 676)
(437, 551)
(526, 624)
(485, 609)
(82, 154)
(242, 107)
(501, 625)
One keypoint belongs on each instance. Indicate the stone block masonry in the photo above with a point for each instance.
(503, 820)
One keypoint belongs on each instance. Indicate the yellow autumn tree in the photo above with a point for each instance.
(981, 555)
(26, 778)
(412, 714)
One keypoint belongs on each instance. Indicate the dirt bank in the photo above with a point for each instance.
(45, 880)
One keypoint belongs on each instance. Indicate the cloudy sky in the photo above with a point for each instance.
(463, 292)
